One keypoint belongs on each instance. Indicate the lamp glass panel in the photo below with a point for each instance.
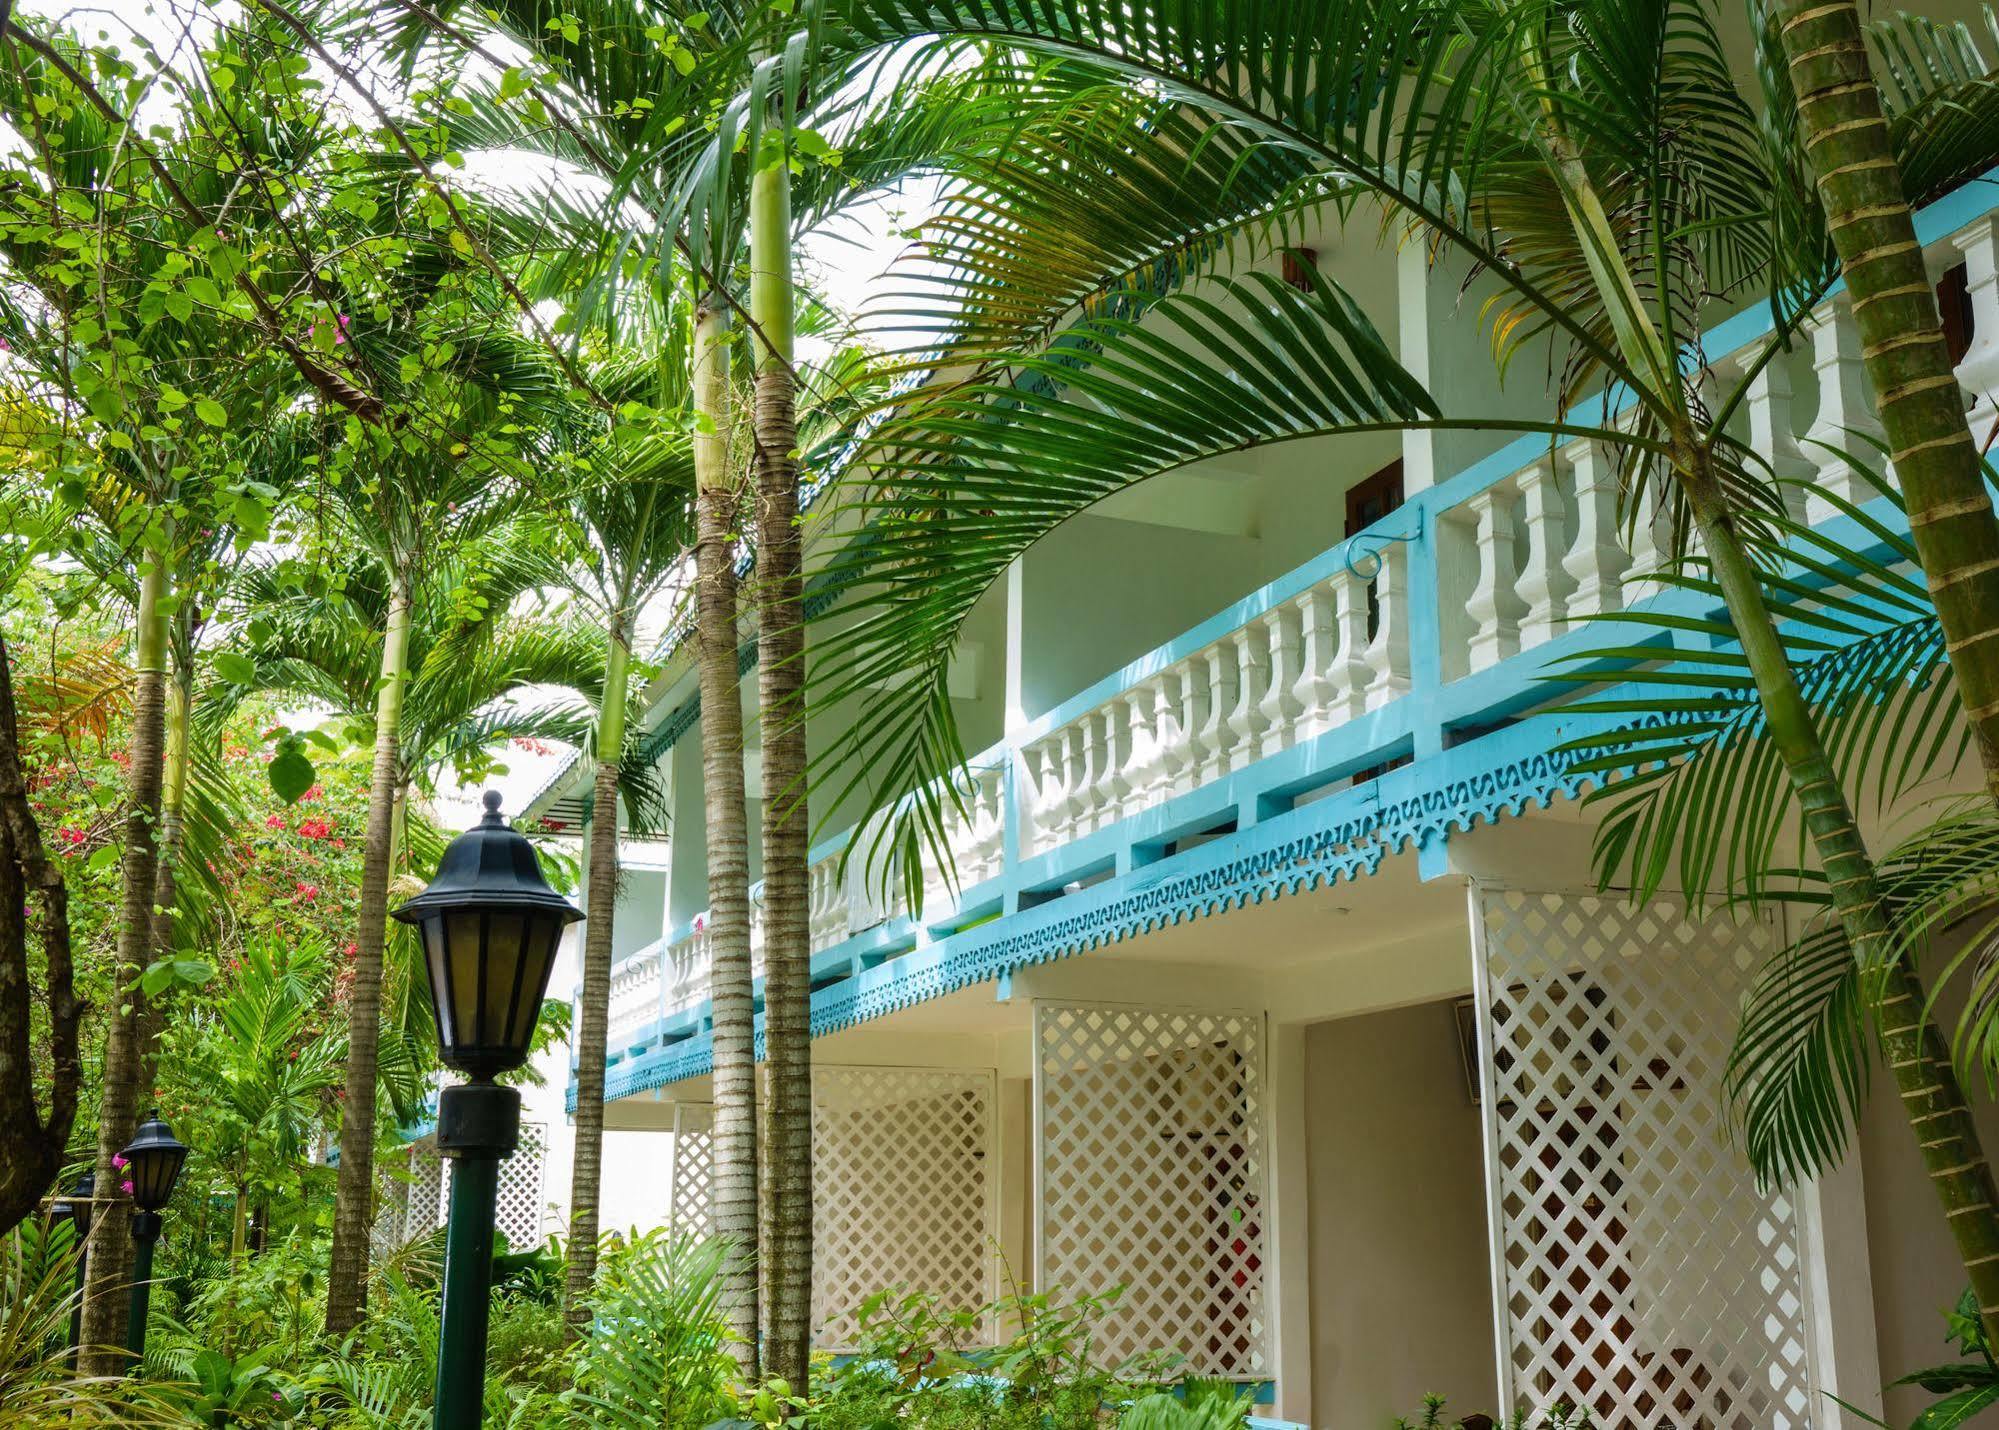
(540, 934)
(504, 947)
(462, 957)
(437, 966)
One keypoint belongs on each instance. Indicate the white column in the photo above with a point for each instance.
(1412, 312)
(1351, 672)
(1252, 664)
(1979, 372)
(1768, 403)
(1846, 1358)
(1388, 654)
(1016, 644)
(1278, 708)
(1312, 691)
(1596, 560)
(1287, 1268)
(1845, 420)
(1494, 605)
(1545, 585)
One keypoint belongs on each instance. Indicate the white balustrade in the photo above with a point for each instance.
(634, 1001)
(1544, 585)
(1494, 605)
(1978, 371)
(1845, 421)
(1300, 667)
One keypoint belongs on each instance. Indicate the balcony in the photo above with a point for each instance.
(1366, 701)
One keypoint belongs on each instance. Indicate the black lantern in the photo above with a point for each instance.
(490, 925)
(153, 1159)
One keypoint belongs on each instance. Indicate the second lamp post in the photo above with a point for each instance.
(153, 1159)
(490, 926)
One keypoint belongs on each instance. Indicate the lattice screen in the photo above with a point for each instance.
(522, 1211)
(426, 1205)
(1641, 1271)
(1150, 1170)
(688, 1204)
(904, 1190)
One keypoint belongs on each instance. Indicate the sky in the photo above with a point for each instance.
(844, 264)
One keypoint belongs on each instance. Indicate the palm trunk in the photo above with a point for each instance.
(109, 1270)
(731, 987)
(587, 1170)
(1914, 1048)
(347, 1273)
(780, 682)
(166, 888)
(1935, 458)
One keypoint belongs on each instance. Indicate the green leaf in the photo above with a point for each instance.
(211, 412)
(235, 667)
(290, 773)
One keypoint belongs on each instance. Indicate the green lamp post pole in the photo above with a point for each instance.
(153, 1159)
(478, 1127)
(490, 926)
(76, 1210)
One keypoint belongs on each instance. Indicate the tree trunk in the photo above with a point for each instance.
(1916, 392)
(109, 1269)
(730, 985)
(587, 1170)
(31, 1145)
(786, 833)
(1914, 1048)
(347, 1273)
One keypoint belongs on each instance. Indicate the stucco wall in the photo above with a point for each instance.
(1915, 1269)
(1400, 1281)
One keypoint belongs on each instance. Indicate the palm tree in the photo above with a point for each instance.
(633, 512)
(678, 202)
(1845, 134)
(780, 590)
(1528, 138)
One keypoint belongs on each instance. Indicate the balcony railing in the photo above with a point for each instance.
(1436, 620)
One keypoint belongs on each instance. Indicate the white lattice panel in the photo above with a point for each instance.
(903, 1189)
(1641, 1272)
(425, 1213)
(689, 1204)
(521, 1210)
(1150, 1173)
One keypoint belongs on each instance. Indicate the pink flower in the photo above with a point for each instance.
(118, 1160)
(276, 821)
(339, 844)
(314, 828)
(70, 835)
(126, 1186)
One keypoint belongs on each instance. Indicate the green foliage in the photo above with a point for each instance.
(656, 1353)
(1964, 1387)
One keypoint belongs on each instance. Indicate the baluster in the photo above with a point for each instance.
(1351, 674)
(1170, 729)
(1312, 691)
(1647, 555)
(1845, 420)
(1252, 665)
(1544, 585)
(1045, 759)
(1388, 653)
(1494, 605)
(987, 834)
(1979, 372)
(1075, 782)
(1216, 737)
(1144, 766)
(1279, 708)
(1116, 780)
(1091, 803)
(1597, 560)
(1771, 432)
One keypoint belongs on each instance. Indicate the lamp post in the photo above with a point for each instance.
(76, 1209)
(490, 925)
(153, 1158)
